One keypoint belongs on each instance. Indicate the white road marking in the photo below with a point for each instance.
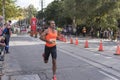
(96, 54)
(22, 43)
(110, 76)
(108, 57)
(26, 77)
(93, 63)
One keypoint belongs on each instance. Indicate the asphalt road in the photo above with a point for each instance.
(73, 63)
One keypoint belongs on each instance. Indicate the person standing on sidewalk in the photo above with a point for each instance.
(7, 33)
(50, 36)
(92, 32)
(84, 31)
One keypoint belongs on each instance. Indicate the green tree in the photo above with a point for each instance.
(54, 11)
(31, 11)
(10, 9)
(97, 13)
(93, 12)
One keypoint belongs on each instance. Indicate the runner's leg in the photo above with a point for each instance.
(46, 54)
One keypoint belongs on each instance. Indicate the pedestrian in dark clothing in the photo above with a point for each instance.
(92, 32)
(84, 31)
(7, 33)
(101, 33)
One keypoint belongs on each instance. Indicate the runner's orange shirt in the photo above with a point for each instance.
(51, 36)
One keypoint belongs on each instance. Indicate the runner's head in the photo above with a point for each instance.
(52, 24)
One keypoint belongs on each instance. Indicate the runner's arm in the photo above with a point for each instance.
(43, 34)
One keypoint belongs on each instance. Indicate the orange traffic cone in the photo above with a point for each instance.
(62, 38)
(86, 44)
(71, 40)
(118, 50)
(101, 46)
(65, 39)
(76, 41)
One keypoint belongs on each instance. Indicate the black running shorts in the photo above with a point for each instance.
(52, 51)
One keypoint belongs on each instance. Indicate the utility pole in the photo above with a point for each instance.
(42, 7)
(42, 3)
(74, 18)
(3, 10)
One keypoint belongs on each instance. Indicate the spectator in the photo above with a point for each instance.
(101, 33)
(105, 34)
(84, 31)
(92, 32)
(7, 33)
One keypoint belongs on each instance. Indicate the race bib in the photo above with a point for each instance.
(53, 40)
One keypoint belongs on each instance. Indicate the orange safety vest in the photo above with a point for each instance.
(51, 36)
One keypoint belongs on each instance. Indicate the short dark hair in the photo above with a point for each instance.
(50, 21)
